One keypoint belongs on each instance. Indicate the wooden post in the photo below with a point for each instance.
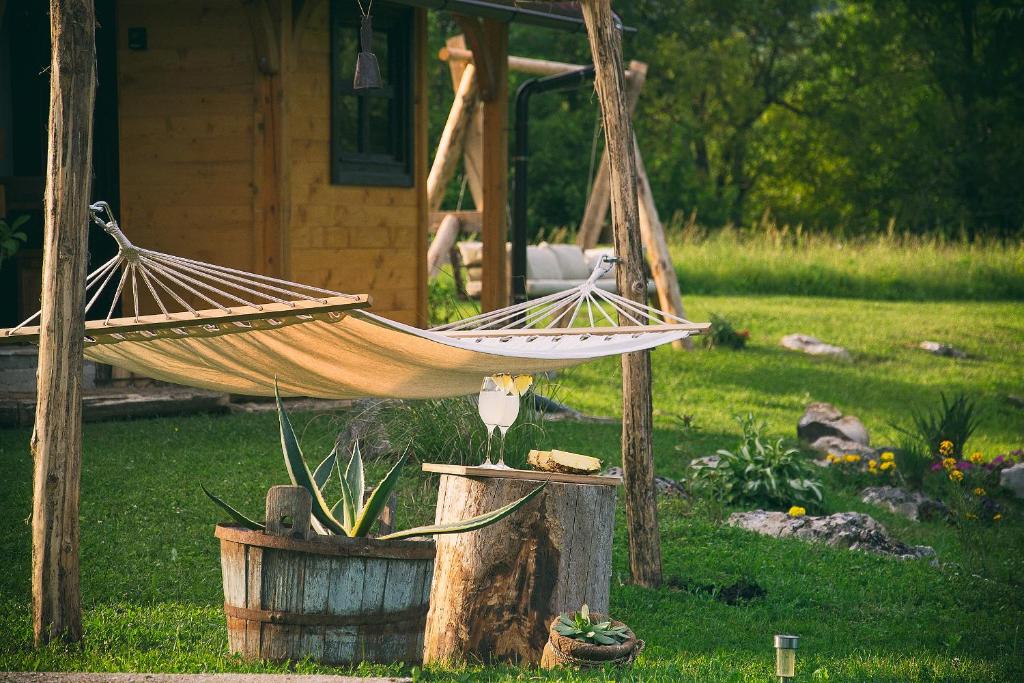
(443, 241)
(599, 199)
(472, 148)
(57, 437)
(637, 462)
(453, 138)
(494, 275)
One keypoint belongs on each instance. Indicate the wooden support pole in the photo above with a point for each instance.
(637, 461)
(57, 437)
(453, 138)
(598, 201)
(494, 275)
(472, 147)
(442, 243)
(526, 65)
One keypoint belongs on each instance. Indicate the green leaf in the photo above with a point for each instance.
(602, 639)
(347, 502)
(378, 500)
(322, 473)
(235, 514)
(471, 524)
(299, 472)
(355, 478)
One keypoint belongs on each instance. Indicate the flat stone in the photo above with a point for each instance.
(824, 419)
(940, 349)
(80, 677)
(913, 505)
(813, 346)
(1012, 479)
(838, 446)
(853, 530)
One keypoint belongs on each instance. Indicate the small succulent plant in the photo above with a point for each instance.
(350, 516)
(580, 627)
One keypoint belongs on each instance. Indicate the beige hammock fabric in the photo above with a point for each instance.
(352, 357)
(320, 343)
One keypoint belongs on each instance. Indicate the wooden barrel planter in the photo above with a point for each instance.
(289, 594)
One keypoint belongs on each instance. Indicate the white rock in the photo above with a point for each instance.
(940, 349)
(853, 530)
(1012, 479)
(913, 505)
(824, 419)
(833, 444)
(813, 346)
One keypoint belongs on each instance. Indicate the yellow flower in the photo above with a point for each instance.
(797, 511)
(888, 466)
(852, 457)
(979, 491)
(872, 464)
(887, 456)
(971, 515)
(946, 448)
(956, 475)
(976, 458)
(832, 457)
(996, 517)
(949, 463)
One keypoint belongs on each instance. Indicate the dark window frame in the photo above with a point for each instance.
(364, 168)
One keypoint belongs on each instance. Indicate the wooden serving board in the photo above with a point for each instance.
(533, 475)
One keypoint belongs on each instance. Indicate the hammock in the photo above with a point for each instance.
(324, 344)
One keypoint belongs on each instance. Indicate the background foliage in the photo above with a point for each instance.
(853, 116)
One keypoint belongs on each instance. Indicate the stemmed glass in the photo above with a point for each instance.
(508, 413)
(490, 407)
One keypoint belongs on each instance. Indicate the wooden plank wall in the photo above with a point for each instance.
(357, 239)
(186, 129)
(192, 159)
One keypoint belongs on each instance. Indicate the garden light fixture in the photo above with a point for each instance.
(785, 657)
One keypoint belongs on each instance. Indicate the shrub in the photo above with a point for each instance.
(760, 472)
(724, 334)
(915, 460)
(953, 421)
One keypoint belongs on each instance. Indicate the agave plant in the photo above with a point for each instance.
(580, 627)
(349, 516)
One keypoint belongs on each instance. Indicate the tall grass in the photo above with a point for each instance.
(888, 266)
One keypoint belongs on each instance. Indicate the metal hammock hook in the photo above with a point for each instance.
(367, 75)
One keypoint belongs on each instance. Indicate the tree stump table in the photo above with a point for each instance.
(497, 589)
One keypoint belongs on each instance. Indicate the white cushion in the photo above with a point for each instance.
(571, 261)
(471, 253)
(542, 264)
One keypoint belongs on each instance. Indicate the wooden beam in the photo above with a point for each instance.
(57, 437)
(472, 147)
(442, 243)
(470, 221)
(271, 23)
(526, 65)
(637, 463)
(599, 200)
(453, 138)
(494, 288)
(486, 68)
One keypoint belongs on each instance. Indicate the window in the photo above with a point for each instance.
(371, 130)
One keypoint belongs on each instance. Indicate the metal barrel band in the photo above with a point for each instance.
(409, 619)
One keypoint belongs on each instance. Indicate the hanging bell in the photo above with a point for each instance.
(367, 76)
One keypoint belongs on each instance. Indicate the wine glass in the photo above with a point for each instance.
(490, 406)
(509, 403)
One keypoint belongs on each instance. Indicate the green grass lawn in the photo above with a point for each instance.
(151, 575)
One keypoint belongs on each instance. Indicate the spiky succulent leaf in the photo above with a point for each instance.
(347, 502)
(235, 514)
(322, 473)
(356, 478)
(471, 524)
(378, 501)
(299, 472)
(601, 638)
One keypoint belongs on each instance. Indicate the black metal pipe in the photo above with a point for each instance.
(521, 155)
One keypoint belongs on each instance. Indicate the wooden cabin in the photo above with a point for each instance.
(229, 131)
